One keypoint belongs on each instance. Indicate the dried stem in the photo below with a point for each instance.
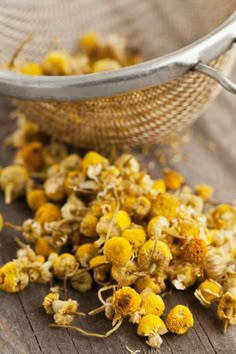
(19, 49)
(89, 334)
(97, 310)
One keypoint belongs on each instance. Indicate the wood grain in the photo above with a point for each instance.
(23, 325)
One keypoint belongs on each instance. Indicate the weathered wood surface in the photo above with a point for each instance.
(23, 325)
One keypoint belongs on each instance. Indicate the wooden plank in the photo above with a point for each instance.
(23, 325)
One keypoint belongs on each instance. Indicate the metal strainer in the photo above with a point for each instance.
(139, 104)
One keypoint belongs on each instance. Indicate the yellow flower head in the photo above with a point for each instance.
(13, 277)
(188, 228)
(182, 275)
(179, 319)
(105, 65)
(82, 282)
(118, 251)
(101, 270)
(31, 69)
(159, 185)
(166, 205)
(204, 191)
(152, 303)
(136, 237)
(32, 156)
(224, 216)
(64, 265)
(47, 212)
(125, 276)
(84, 253)
(153, 327)
(88, 225)
(208, 292)
(141, 207)
(42, 247)
(173, 179)
(226, 309)
(195, 251)
(147, 282)
(36, 198)
(156, 225)
(13, 181)
(57, 62)
(154, 252)
(89, 42)
(93, 158)
(48, 300)
(126, 301)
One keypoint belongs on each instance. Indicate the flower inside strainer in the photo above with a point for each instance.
(142, 103)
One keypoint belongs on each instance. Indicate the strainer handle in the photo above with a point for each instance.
(217, 76)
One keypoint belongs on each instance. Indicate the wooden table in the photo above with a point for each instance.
(23, 325)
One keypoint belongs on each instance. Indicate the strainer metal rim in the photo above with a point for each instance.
(147, 74)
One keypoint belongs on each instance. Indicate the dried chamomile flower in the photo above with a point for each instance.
(226, 309)
(54, 187)
(49, 298)
(215, 264)
(125, 302)
(31, 230)
(41, 272)
(54, 153)
(82, 282)
(140, 208)
(57, 63)
(148, 282)
(154, 254)
(13, 181)
(153, 327)
(73, 180)
(173, 179)
(36, 198)
(159, 185)
(193, 204)
(223, 216)
(156, 225)
(88, 225)
(179, 319)
(93, 158)
(65, 265)
(42, 247)
(166, 205)
(118, 251)
(136, 237)
(47, 212)
(194, 251)
(13, 276)
(89, 42)
(72, 208)
(71, 162)
(85, 252)
(208, 292)
(101, 269)
(112, 224)
(106, 64)
(64, 311)
(182, 275)
(127, 164)
(31, 69)
(126, 275)
(204, 191)
(152, 303)
(31, 156)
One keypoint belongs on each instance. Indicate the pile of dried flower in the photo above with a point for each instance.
(113, 225)
(94, 54)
